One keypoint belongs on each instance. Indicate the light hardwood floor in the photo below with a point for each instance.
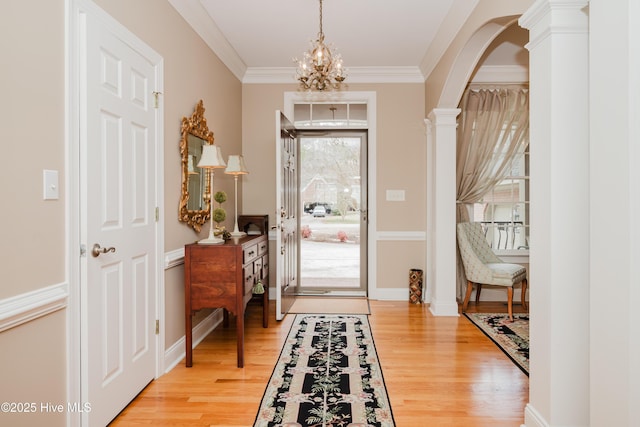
(439, 371)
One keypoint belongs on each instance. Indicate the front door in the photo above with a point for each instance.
(333, 225)
(287, 273)
(118, 145)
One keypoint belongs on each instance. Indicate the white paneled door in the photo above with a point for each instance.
(287, 248)
(118, 146)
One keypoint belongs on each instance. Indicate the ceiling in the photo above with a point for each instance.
(380, 40)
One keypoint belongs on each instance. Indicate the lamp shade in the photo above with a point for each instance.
(211, 157)
(236, 166)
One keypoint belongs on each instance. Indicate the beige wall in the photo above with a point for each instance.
(32, 240)
(32, 119)
(33, 371)
(32, 125)
(400, 163)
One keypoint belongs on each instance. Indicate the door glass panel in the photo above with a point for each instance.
(331, 223)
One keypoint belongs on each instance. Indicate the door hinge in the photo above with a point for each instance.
(156, 96)
(157, 327)
(157, 214)
(83, 250)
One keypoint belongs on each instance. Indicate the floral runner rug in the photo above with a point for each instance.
(327, 375)
(511, 338)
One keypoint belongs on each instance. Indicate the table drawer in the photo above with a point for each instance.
(263, 247)
(249, 278)
(265, 266)
(249, 253)
(257, 267)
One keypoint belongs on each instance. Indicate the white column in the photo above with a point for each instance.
(615, 209)
(559, 257)
(441, 211)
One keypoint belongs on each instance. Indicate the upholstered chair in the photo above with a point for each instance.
(483, 267)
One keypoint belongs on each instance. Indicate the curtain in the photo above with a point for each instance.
(493, 130)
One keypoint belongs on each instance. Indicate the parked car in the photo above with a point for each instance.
(309, 207)
(319, 211)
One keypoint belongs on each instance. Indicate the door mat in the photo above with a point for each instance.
(330, 305)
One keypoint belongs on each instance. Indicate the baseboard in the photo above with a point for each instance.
(444, 308)
(174, 354)
(533, 418)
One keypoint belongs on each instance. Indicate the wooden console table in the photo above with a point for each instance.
(223, 275)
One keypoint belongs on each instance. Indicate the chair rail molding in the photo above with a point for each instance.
(23, 308)
(401, 235)
(174, 258)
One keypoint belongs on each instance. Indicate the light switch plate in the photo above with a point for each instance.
(395, 195)
(50, 185)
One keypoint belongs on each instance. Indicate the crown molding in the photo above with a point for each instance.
(197, 17)
(194, 13)
(280, 75)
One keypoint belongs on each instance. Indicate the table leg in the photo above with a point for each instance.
(188, 340)
(240, 337)
(225, 318)
(265, 308)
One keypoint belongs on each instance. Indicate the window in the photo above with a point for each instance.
(343, 115)
(504, 211)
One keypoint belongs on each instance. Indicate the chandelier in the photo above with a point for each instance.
(319, 69)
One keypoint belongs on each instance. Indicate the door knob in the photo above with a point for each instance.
(97, 250)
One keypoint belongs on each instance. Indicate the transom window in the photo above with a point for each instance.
(325, 114)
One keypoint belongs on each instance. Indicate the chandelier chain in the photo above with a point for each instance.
(321, 33)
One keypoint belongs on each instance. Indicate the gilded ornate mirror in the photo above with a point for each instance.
(194, 200)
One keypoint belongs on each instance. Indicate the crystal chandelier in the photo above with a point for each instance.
(319, 69)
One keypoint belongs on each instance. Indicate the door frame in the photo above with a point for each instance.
(74, 168)
(369, 98)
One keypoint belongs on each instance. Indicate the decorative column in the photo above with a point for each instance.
(441, 211)
(614, 72)
(559, 255)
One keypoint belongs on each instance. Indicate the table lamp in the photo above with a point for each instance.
(211, 160)
(236, 167)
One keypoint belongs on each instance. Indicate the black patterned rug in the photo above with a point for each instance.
(327, 375)
(511, 338)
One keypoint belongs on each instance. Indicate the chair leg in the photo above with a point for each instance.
(510, 302)
(524, 293)
(478, 290)
(467, 296)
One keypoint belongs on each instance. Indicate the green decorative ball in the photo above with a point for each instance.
(219, 214)
(220, 197)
